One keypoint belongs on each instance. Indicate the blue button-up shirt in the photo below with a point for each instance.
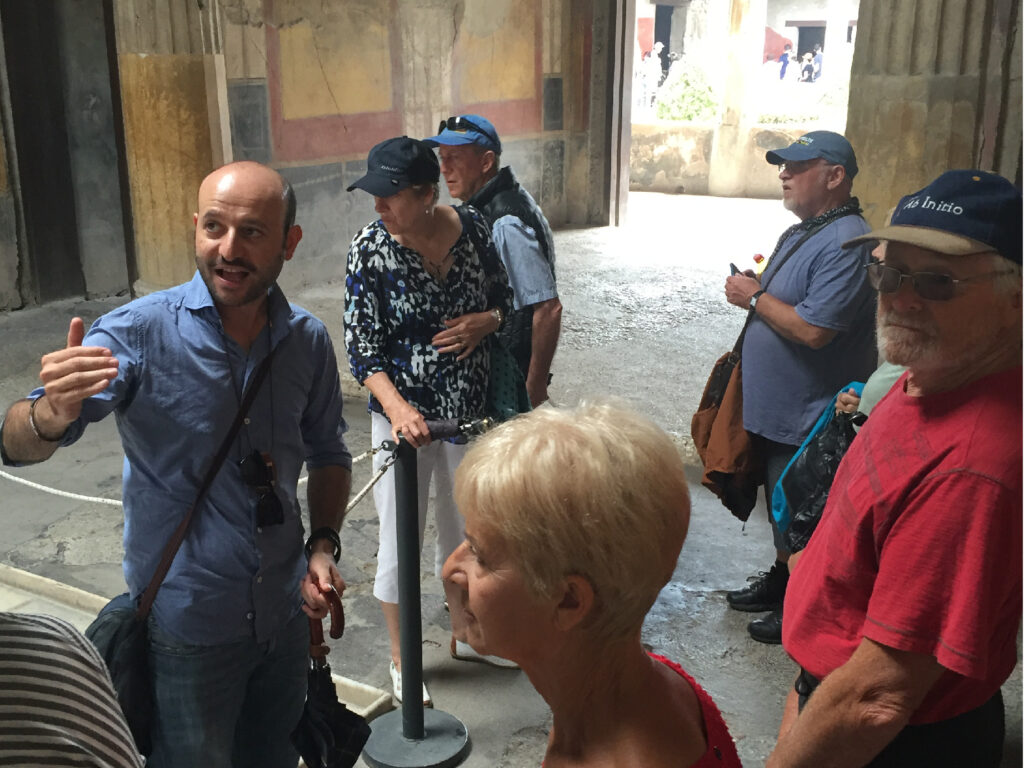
(179, 384)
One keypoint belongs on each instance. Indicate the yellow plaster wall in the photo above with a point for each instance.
(167, 140)
(497, 50)
(339, 65)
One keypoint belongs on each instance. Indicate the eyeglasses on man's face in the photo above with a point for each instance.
(796, 167)
(931, 286)
(258, 473)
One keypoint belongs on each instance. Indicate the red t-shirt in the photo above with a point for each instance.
(919, 546)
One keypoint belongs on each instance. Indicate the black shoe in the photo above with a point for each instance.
(764, 593)
(767, 629)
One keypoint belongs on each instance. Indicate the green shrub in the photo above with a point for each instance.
(685, 94)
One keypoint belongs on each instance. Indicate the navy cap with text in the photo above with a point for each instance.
(960, 213)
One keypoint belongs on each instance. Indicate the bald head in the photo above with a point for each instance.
(243, 210)
(256, 181)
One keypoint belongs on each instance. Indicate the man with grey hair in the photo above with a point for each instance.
(470, 153)
(811, 332)
(904, 608)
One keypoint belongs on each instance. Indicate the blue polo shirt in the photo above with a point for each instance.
(179, 384)
(786, 385)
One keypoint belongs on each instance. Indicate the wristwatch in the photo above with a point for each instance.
(754, 298)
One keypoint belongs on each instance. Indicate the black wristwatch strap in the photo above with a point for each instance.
(324, 533)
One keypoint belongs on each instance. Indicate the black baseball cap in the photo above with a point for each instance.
(398, 163)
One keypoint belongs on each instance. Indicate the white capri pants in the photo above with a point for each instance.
(437, 460)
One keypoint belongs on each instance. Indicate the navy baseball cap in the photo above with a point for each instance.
(396, 164)
(466, 129)
(825, 144)
(960, 213)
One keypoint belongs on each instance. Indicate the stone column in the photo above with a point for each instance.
(176, 129)
(935, 85)
(730, 152)
(10, 296)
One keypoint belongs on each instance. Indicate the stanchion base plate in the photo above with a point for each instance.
(445, 742)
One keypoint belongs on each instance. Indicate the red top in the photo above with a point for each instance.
(919, 546)
(721, 751)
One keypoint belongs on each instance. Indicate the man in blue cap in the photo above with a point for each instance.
(904, 609)
(470, 153)
(811, 331)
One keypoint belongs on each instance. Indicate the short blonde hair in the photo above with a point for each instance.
(597, 491)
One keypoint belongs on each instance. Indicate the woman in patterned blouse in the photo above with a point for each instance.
(423, 292)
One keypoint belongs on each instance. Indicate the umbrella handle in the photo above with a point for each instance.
(337, 613)
(317, 648)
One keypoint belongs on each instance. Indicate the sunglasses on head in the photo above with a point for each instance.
(258, 473)
(931, 286)
(461, 124)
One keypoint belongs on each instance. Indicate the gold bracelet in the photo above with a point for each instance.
(35, 429)
(497, 314)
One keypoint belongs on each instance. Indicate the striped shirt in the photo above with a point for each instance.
(57, 705)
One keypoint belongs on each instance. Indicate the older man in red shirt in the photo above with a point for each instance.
(903, 611)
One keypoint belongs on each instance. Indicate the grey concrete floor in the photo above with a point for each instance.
(644, 319)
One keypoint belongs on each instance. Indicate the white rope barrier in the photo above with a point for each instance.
(56, 492)
(117, 502)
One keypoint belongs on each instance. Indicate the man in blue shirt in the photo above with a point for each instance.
(811, 332)
(470, 153)
(229, 641)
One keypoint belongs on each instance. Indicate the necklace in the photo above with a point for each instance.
(438, 269)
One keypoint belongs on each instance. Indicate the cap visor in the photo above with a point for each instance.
(924, 237)
(379, 186)
(791, 155)
(449, 139)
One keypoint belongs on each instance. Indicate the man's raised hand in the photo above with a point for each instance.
(72, 374)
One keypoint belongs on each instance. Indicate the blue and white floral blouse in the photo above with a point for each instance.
(394, 307)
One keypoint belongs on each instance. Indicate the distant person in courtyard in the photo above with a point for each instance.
(229, 641)
(470, 153)
(816, 60)
(903, 612)
(784, 58)
(807, 68)
(559, 572)
(811, 331)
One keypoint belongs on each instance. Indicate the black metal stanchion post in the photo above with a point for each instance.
(415, 737)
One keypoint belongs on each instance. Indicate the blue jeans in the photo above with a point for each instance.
(231, 705)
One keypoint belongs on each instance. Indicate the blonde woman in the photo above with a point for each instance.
(574, 521)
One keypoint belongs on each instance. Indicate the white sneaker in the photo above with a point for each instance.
(464, 652)
(396, 687)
